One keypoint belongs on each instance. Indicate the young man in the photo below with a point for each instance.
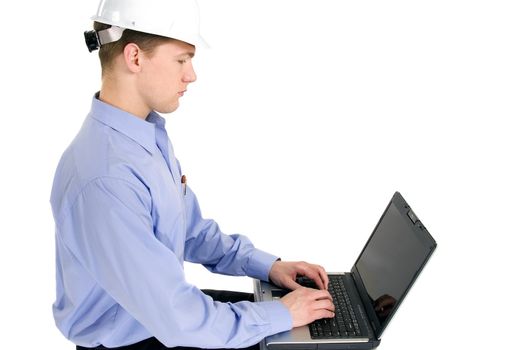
(126, 220)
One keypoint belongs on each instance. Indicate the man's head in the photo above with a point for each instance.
(146, 49)
(153, 70)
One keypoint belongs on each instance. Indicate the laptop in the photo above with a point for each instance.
(369, 295)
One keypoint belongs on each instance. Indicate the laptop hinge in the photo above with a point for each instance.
(364, 307)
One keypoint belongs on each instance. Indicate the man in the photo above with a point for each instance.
(126, 219)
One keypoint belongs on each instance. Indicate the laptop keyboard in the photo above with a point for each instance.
(344, 324)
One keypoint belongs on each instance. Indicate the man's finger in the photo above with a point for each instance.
(318, 314)
(314, 274)
(324, 304)
(319, 294)
(291, 284)
(324, 276)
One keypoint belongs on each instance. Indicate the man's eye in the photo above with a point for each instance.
(182, 61)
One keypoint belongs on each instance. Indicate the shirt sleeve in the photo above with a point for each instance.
(221, 253)
(112, 237)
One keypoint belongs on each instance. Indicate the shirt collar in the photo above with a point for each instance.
(140, 130)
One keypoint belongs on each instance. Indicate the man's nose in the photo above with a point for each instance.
(189, 75)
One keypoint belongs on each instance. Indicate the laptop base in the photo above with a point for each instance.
(300, 338)
(325, 346)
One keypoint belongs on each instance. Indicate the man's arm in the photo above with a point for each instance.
(218, 252)
(235, 255)
(109, 230)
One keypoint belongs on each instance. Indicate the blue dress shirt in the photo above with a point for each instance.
(124, 227)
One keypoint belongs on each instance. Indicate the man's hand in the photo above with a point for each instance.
(284, 274)
(307, 305)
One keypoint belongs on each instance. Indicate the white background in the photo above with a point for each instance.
(305, 118)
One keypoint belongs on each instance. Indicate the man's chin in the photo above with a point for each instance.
(168, 109)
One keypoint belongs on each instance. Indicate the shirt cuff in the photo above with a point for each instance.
(260, 264)
(278, 316)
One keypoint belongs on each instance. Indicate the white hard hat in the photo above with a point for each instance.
(177, 19)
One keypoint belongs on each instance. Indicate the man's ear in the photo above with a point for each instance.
(133, 57)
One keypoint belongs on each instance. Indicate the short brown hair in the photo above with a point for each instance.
(107, 52)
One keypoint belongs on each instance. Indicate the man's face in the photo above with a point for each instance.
(166, 75)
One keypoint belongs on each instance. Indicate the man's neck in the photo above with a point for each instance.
(112, 93)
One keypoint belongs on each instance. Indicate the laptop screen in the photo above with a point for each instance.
(391, 260)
